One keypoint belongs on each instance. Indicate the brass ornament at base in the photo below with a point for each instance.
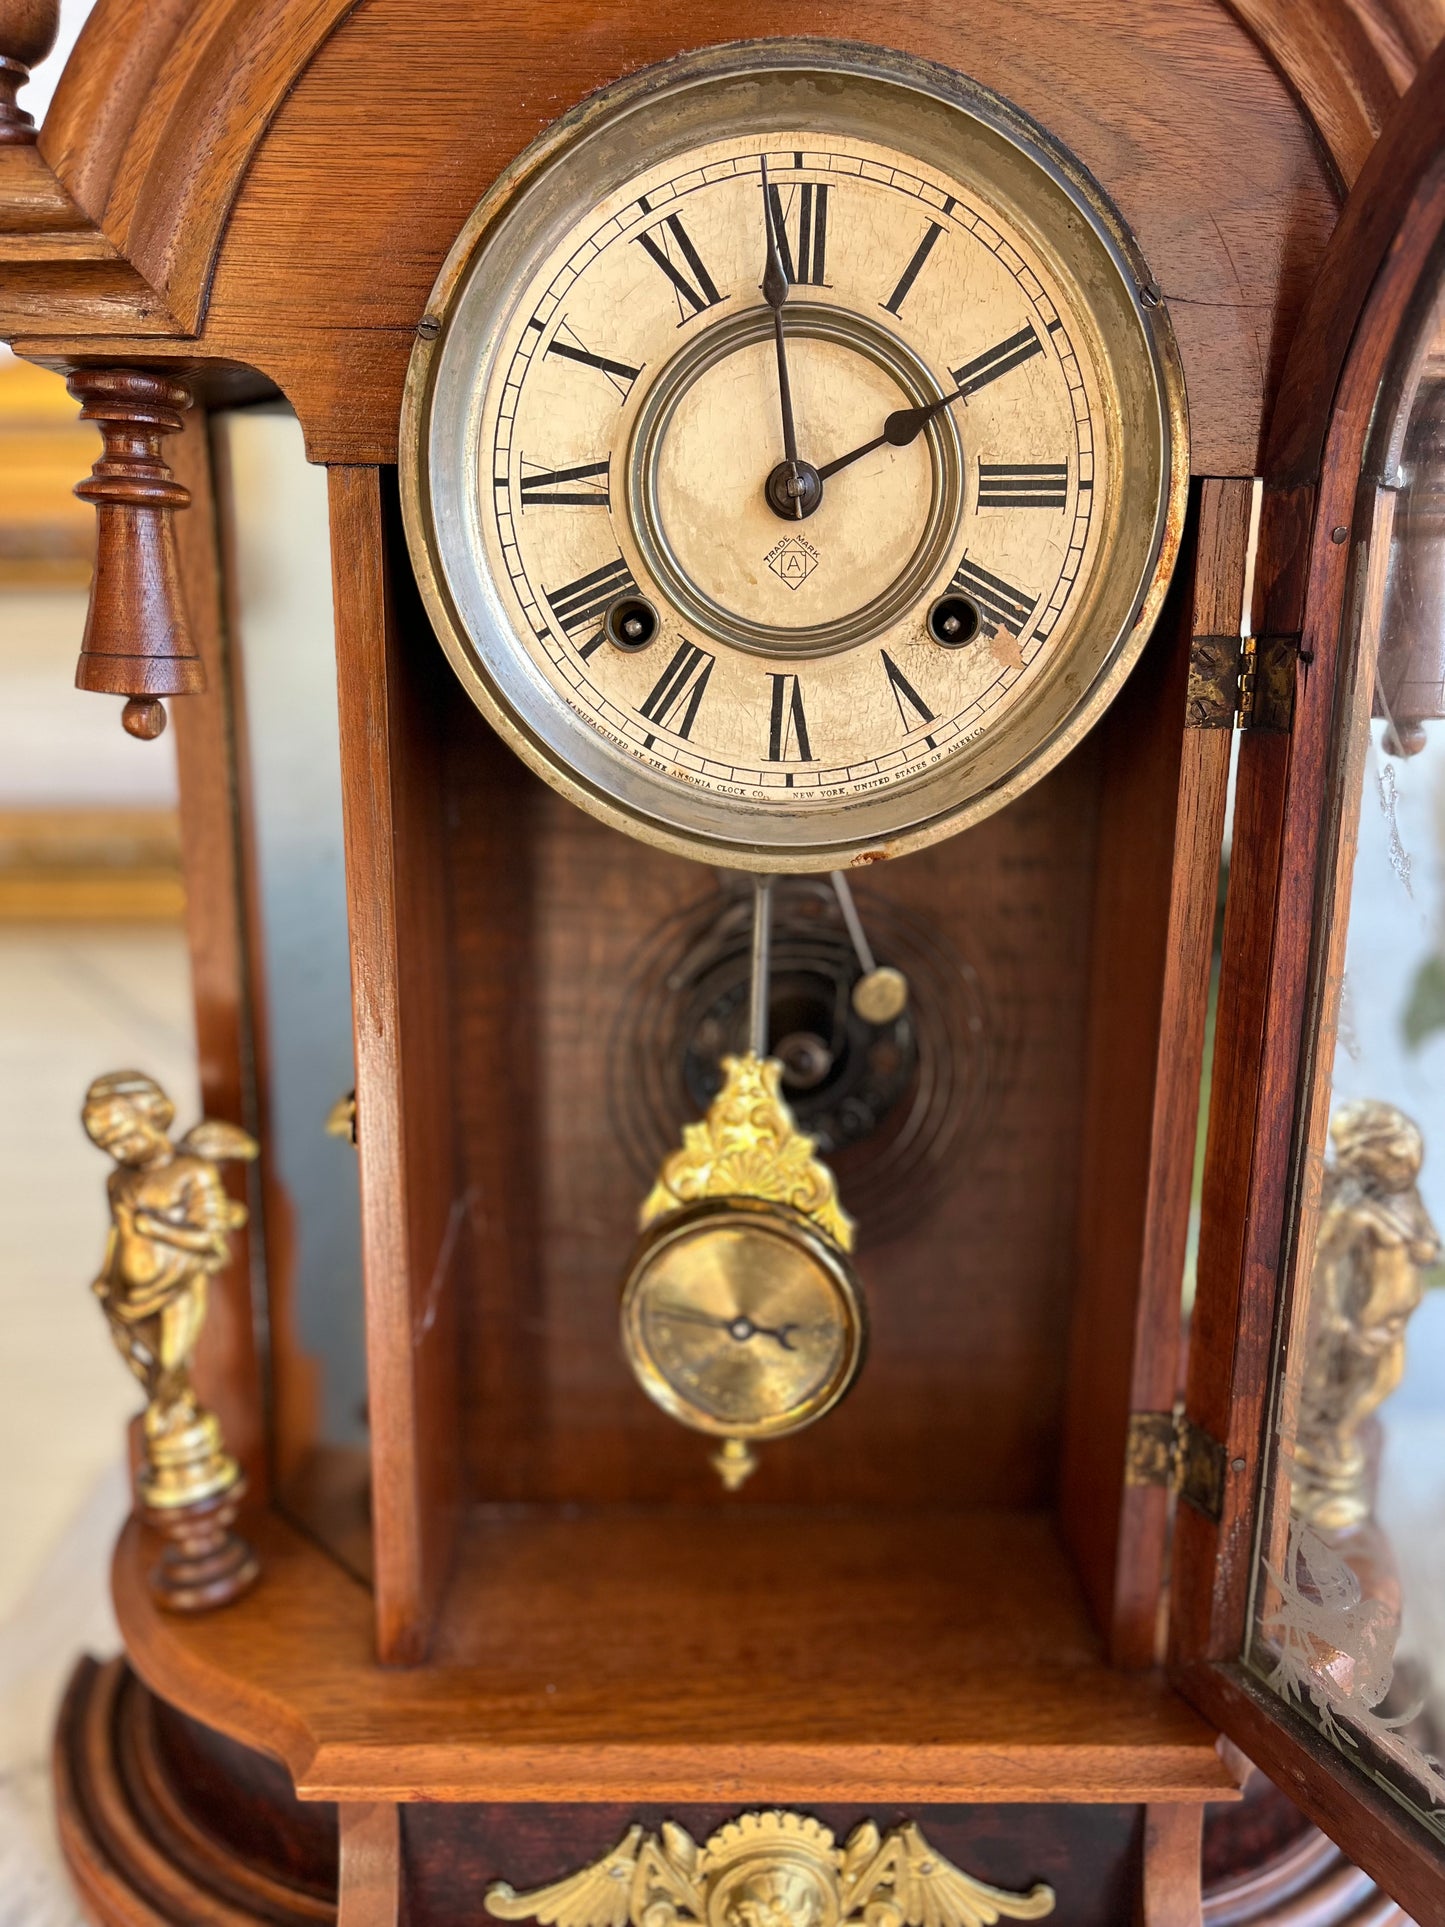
(171, 1221)
(772, 1869)
(1374, 1241)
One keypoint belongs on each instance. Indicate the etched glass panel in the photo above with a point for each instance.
(1349, 1608)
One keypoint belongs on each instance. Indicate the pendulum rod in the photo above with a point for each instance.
(881, 993)
(761, 966)
(857, 935)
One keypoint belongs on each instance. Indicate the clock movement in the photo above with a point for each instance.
(775, 1322)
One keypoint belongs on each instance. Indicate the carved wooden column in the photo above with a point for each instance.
(137, 640)
(27, 33)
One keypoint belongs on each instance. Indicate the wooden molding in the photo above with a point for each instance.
(138, 1854)
(865, 1681)
(220, 166)
(1347, 62)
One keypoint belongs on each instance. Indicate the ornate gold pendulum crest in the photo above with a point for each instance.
(782, 1869)
(741, 1315)
(748, 1146)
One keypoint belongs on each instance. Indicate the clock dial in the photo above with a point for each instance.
(741, 1320)
(783, 570)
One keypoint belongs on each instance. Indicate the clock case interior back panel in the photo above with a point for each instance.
(563, 1605)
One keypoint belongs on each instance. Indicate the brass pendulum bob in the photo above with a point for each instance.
(741, 1316)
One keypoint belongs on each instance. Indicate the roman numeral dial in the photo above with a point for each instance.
(712, 317)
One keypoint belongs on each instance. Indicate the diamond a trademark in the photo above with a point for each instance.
(793, 560)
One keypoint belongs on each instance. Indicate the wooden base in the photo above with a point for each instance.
(166, 1823)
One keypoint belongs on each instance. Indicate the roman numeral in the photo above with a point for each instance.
(906, 697)
(620, 373)
(910, 273)
(1002, 606)
(670, 237)
(555, 485)
(788, 726)
(800, 221)
(997, 361)
(1023, 485)
(673, 702)
(577, 605)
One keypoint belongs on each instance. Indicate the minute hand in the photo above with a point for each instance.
(903, 426)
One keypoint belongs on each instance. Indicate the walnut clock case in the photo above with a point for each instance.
(809, 454)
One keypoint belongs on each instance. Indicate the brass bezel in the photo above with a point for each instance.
(778, 1220)
(867, 829)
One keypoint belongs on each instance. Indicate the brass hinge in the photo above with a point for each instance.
(1169, 1449)
(1241, 682)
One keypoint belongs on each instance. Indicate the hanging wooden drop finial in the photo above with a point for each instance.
(137, 641)
(27, 33)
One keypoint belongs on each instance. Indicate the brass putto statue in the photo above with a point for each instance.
(1375, 1239)
(171, 1221)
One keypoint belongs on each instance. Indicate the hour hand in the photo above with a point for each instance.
(903, 426)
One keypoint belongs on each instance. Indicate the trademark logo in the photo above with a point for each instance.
(792, 560)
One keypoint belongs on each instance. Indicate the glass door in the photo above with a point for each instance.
(1309, 1616)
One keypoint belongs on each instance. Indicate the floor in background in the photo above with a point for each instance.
(73, 1002)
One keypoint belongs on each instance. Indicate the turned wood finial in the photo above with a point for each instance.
(27, 33)
(137, 641)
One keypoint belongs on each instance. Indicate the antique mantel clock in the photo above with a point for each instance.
(697, 563)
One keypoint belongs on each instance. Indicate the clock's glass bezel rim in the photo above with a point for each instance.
(767, 836)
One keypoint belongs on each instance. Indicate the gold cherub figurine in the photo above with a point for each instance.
(1375, 1238)
(171, 1221)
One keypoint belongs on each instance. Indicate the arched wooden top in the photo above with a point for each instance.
(1369, 226)
(281, 178)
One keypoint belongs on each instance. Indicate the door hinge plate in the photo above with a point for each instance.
(1169, 1449)
(1246, 682)
(1212, 701)
(1266, 682)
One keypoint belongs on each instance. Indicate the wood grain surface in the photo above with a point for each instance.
(143, 1837)
(1156, 891)
(399, 971)
(959, 1402)
(662, 1654)
(1170, 1889)
(314, 243)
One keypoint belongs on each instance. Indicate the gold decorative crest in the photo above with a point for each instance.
(749, 1147)
(770, 1870)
